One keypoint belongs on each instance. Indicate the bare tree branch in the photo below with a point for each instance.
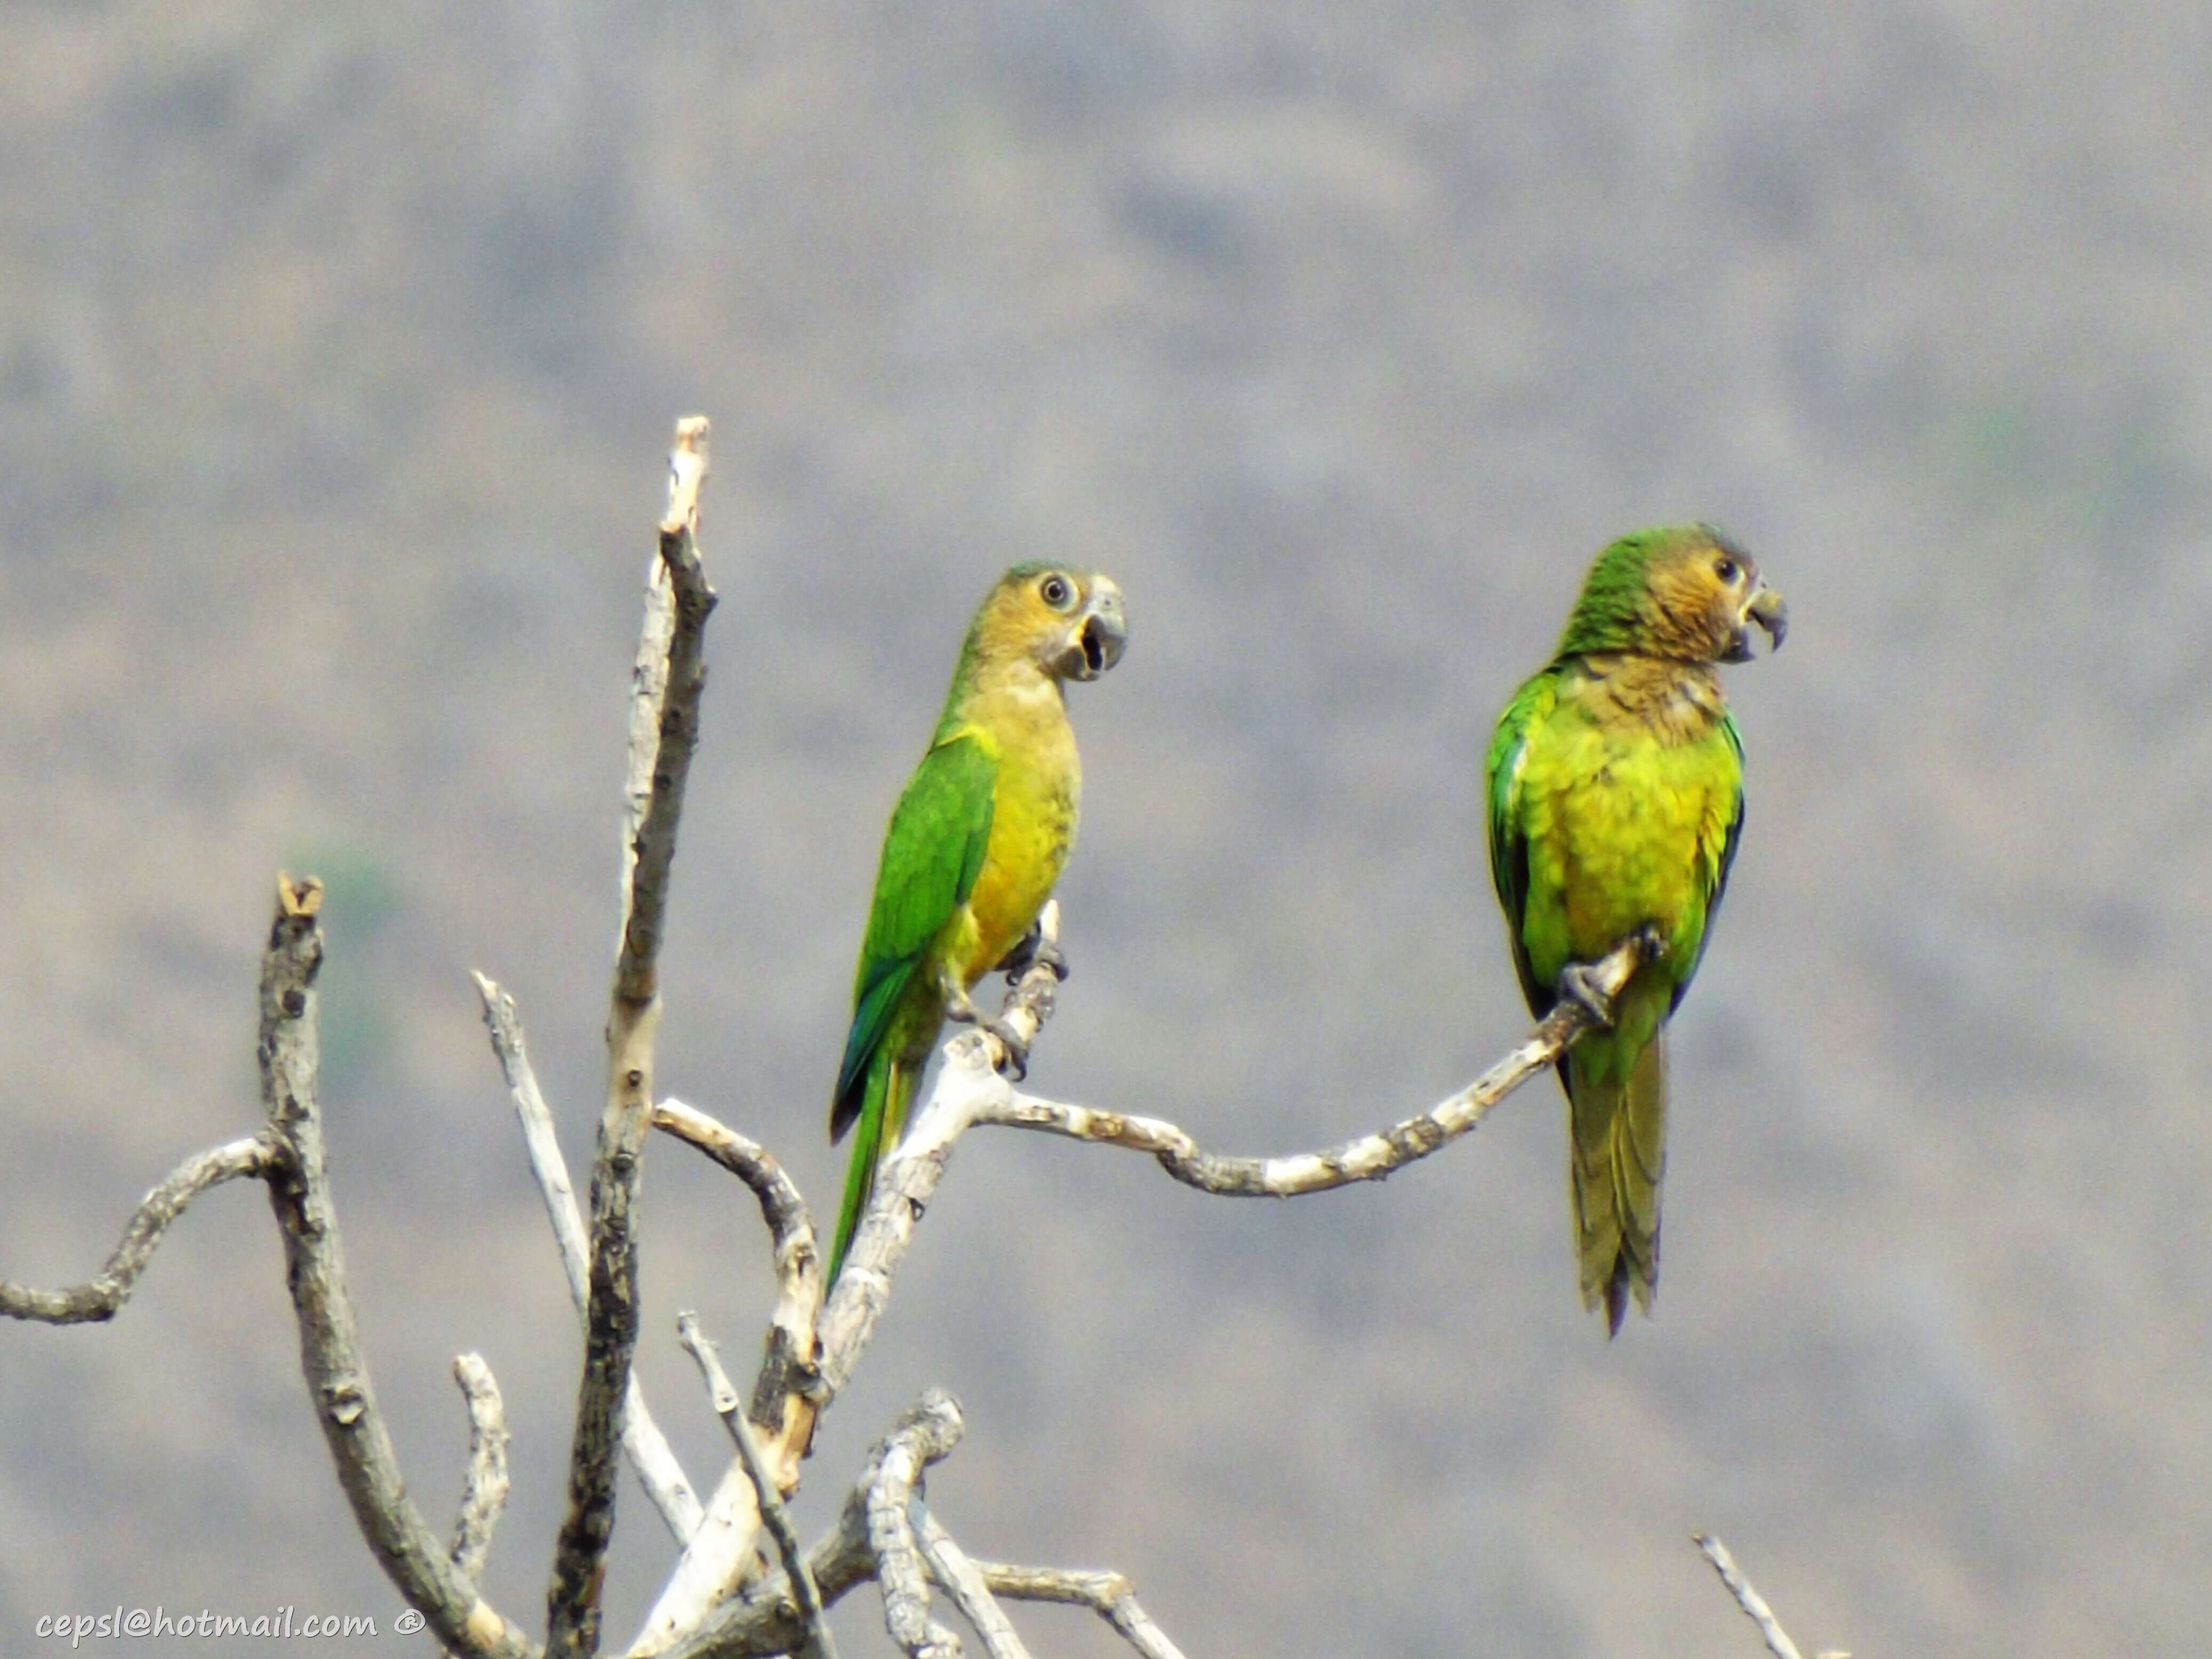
(1368, 1157)
(485, 1495)
(967, 1082)
(950, 1566)
(330, 1343)
(926, 1433)
(820, 1644)
(788, 1365)
(101, 1298)
(970, 1090)
(1755, 1606)
(1107, 1594)
(612, 1320)
(650, 1455)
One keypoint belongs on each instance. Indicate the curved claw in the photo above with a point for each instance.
(1014, 1053)
(1578, 984)
(1034, 948)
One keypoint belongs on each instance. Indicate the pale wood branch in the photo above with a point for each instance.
(968, 1081)
(792, 1387)
(950, 1566)
(767, 1619)
(788, 1366)
(650, 1455)
(1107, 1594)
(611, 1318)
(925, 1434)
(485, 1496)
(1753, 1605)
(1368, 1157)
(330, 1341)
(101, 1296)
(971, 1090)
(723, 1393)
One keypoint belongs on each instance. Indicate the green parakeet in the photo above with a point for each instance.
(975, 846)
(1615, 790)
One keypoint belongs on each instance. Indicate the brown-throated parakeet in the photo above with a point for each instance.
(975, 846)
(1615, 790)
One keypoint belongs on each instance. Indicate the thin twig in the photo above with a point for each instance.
(924, 1435)
(766, 1618)
(330, 1342)
(950, 1566)
(485, 1495)
(788, 1365)
(101, 1298)
(611, 1318)
(1368, 1157)
(650, 1454)
(819, 1644)
(1106, 1593)
(1755, 1606)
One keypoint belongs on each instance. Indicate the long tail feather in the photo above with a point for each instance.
(1618, 1132)
(882, 1119)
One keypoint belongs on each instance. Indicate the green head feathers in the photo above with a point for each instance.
(1683, 592)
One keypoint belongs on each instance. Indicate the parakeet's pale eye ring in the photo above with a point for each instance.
(1725, 568)
(1057, 591)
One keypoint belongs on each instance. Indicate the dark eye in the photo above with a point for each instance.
(1726, 570)
(1056, 592)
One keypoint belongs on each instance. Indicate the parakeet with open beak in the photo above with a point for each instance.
(1615, 791)
(975, 846)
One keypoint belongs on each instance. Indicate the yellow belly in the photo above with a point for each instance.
(1622, 832)
(1035, 803)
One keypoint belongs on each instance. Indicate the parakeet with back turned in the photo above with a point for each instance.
(975, 846)
(1615, 791)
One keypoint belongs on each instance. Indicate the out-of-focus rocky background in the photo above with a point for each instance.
(338, 348)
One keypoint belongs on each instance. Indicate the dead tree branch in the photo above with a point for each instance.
(330, 1342)
(788, 1365)
(723, 1393)
(485, 1495)
(102, 1296)
(969, 1090)
(1108, 1594)
(926, 1433)
(611, 1322)
(950, 1566)
(1753, 1605)
(649, 1453)
(967, 1081)
(1368, 1157)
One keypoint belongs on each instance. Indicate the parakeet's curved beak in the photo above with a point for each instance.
(1767, 609)
(1095, 643)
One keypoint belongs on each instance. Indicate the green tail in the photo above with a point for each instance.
(1617, 1089)
(882, 1120)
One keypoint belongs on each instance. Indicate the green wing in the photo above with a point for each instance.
(1730, 837)
(1509, 843)
(932, 854)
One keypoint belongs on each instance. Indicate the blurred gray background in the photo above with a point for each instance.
(338, 349)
